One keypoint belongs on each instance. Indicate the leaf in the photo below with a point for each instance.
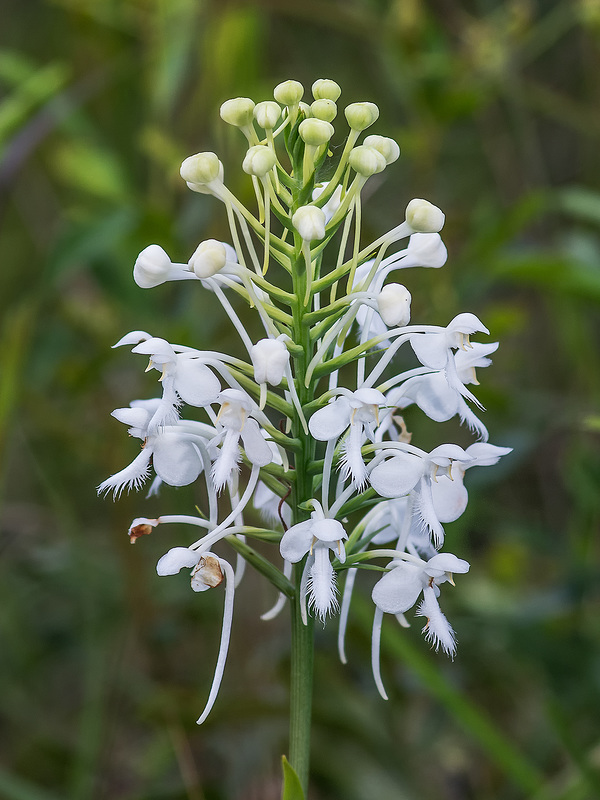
(262, 565)
(292, 789)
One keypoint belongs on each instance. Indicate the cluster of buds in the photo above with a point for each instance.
(308, 428)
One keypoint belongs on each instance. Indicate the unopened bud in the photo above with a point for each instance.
(152, 267)
(267, 113)
(309, 221)
(424, 217)
(259, 160)
(209, 258)
(387, 147)
(201, 169)
(325, 89)
(269, 357)
(288, 93)
(366, 160)
(315, 132)
(361, 115)
(393, 304)
(324, 109)
(238, 112)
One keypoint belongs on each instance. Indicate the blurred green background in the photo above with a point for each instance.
(105, 667)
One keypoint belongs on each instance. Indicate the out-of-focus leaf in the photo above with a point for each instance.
(15, 788)
(581, 203)
(292, 789)
(40, 87)
(91, 240)
(92, 169)
(547, 271)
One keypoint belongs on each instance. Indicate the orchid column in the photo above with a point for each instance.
(304, 424)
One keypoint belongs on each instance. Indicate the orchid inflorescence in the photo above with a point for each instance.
(330, 468)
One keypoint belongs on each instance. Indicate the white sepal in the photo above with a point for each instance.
(176, 559)
(399, 589)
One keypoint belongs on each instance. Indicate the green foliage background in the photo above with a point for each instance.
(105, 667)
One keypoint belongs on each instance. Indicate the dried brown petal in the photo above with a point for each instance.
(208, 571)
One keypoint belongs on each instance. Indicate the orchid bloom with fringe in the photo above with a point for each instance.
(301, 427)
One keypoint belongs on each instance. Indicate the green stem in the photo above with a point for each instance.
(302, 640)
(301, 680)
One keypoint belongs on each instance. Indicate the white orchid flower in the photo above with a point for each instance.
(449, 494)
(435, 350)
(234, 423)
(175, 450)
(440, 399)
(183, 376)
(410, 471)
(208, 571)
(358, 411)
(399, 590)
(315, 538)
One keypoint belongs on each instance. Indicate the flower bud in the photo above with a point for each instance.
(209, 258)
(237, 112)
(201, 169)
(259, 160)
(288, 93)
(387, 147)
(366, 160)
(315, 132)
(393, 304)
(424, 217)
(325, 89)
(269, 357)
(309, 221)
(427, 250)
(324, 109)
(361, 115)
(152, 267)
(267, 114)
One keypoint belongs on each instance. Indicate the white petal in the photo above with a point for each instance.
(257, 449)
(485, 455)
(446, 562)
(136, 418)
(195, 383)
(133, 338)
(296, 542)
(331, 421)
(433, 396)
(176, 559)
(466, 323)
(176, 460)
(438, 630)
(431, 349)
(397, 476)
(450, 498)
(132, 477)
(321, 586)
(328, 530)
(399, 589)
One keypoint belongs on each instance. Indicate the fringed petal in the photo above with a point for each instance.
(132, 477)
